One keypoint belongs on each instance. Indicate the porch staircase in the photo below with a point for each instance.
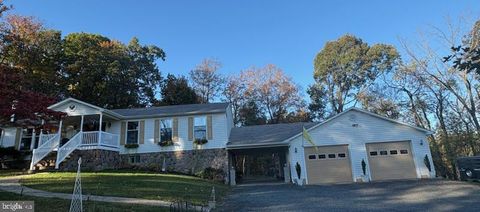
(51, 154)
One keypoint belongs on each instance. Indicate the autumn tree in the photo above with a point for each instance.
(250, 114)
(34, 50)
(176, 91)
(109, 73)
(347, 66)
(20, 106)
(233, 91)
(206, 80)
(275, 93)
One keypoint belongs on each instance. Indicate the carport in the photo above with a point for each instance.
(253, 165)
(261, 153)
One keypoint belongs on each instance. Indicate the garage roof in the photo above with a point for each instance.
(265, 135)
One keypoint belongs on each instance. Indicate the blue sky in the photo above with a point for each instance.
(246, 33)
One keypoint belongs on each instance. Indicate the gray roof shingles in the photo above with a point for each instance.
(265, 134)
(172, 110)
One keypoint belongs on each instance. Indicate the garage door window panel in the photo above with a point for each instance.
(342, 155)
(404, 152)
(374, 153)
(331, 156)
(312, 157)
(393, 152)
(383, 152)
(322, 156)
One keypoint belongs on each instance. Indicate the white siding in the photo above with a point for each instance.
(219, 126)
(8, 137)
(80, 109)
(369, 129)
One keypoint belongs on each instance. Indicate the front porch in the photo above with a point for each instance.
(81, 129)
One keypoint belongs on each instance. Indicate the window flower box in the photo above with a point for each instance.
(165, 143)
(131, 146)
(200, 141)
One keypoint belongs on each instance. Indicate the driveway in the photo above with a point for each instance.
(425, 195)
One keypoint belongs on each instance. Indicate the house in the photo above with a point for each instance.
(352, 146)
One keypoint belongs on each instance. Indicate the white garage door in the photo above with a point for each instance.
(391, 160)
(330, 164)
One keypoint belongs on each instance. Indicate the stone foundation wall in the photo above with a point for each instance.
(187, 162)
(93, 160)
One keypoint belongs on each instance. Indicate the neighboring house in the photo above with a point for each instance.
(190, 138)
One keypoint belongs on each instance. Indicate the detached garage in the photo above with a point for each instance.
(359, 146)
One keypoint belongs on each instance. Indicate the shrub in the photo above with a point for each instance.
(10, 152)
(364, 167)
(298, 169)
(165, 143)
(427, 163)
(200, 141)
(210, 173)
(130, 146)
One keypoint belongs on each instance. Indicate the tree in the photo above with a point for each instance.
(206, 80)
(347, 66)
(233, 93)
(111, 74)
(34, 50)
(275, 93)
(19, 106)
(176, 91)
(250, 114)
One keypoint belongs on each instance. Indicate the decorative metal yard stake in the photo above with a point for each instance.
(76, 204)
(211, 204)
(163, 165)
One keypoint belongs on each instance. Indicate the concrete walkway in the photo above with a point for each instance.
(11, 184)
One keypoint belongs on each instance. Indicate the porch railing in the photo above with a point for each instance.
(107, 139)
(48, 145)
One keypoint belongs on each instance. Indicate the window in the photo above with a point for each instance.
(1, 137)
(132, 132)
(134, 159)
(165, 130)
(393, 152)
(26, 139)
(331, 155)
(312, 157)
(383, 152)
(322, 156)
(403, 151)
(374, 153)
(342, 155)
(200, 128)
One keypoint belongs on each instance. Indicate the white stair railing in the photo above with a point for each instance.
(68, 148)
(44, 149)
(45, 137)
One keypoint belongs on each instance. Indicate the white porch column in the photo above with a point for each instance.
(81, 124)
(60, 132)
(100, 129)
(32, 143)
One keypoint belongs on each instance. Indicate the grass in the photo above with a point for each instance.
(11, 172)
(54, 204)
(167, 187)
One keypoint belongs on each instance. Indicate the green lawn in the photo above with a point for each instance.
(11, 172)
(61, 205)
(130, 184)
